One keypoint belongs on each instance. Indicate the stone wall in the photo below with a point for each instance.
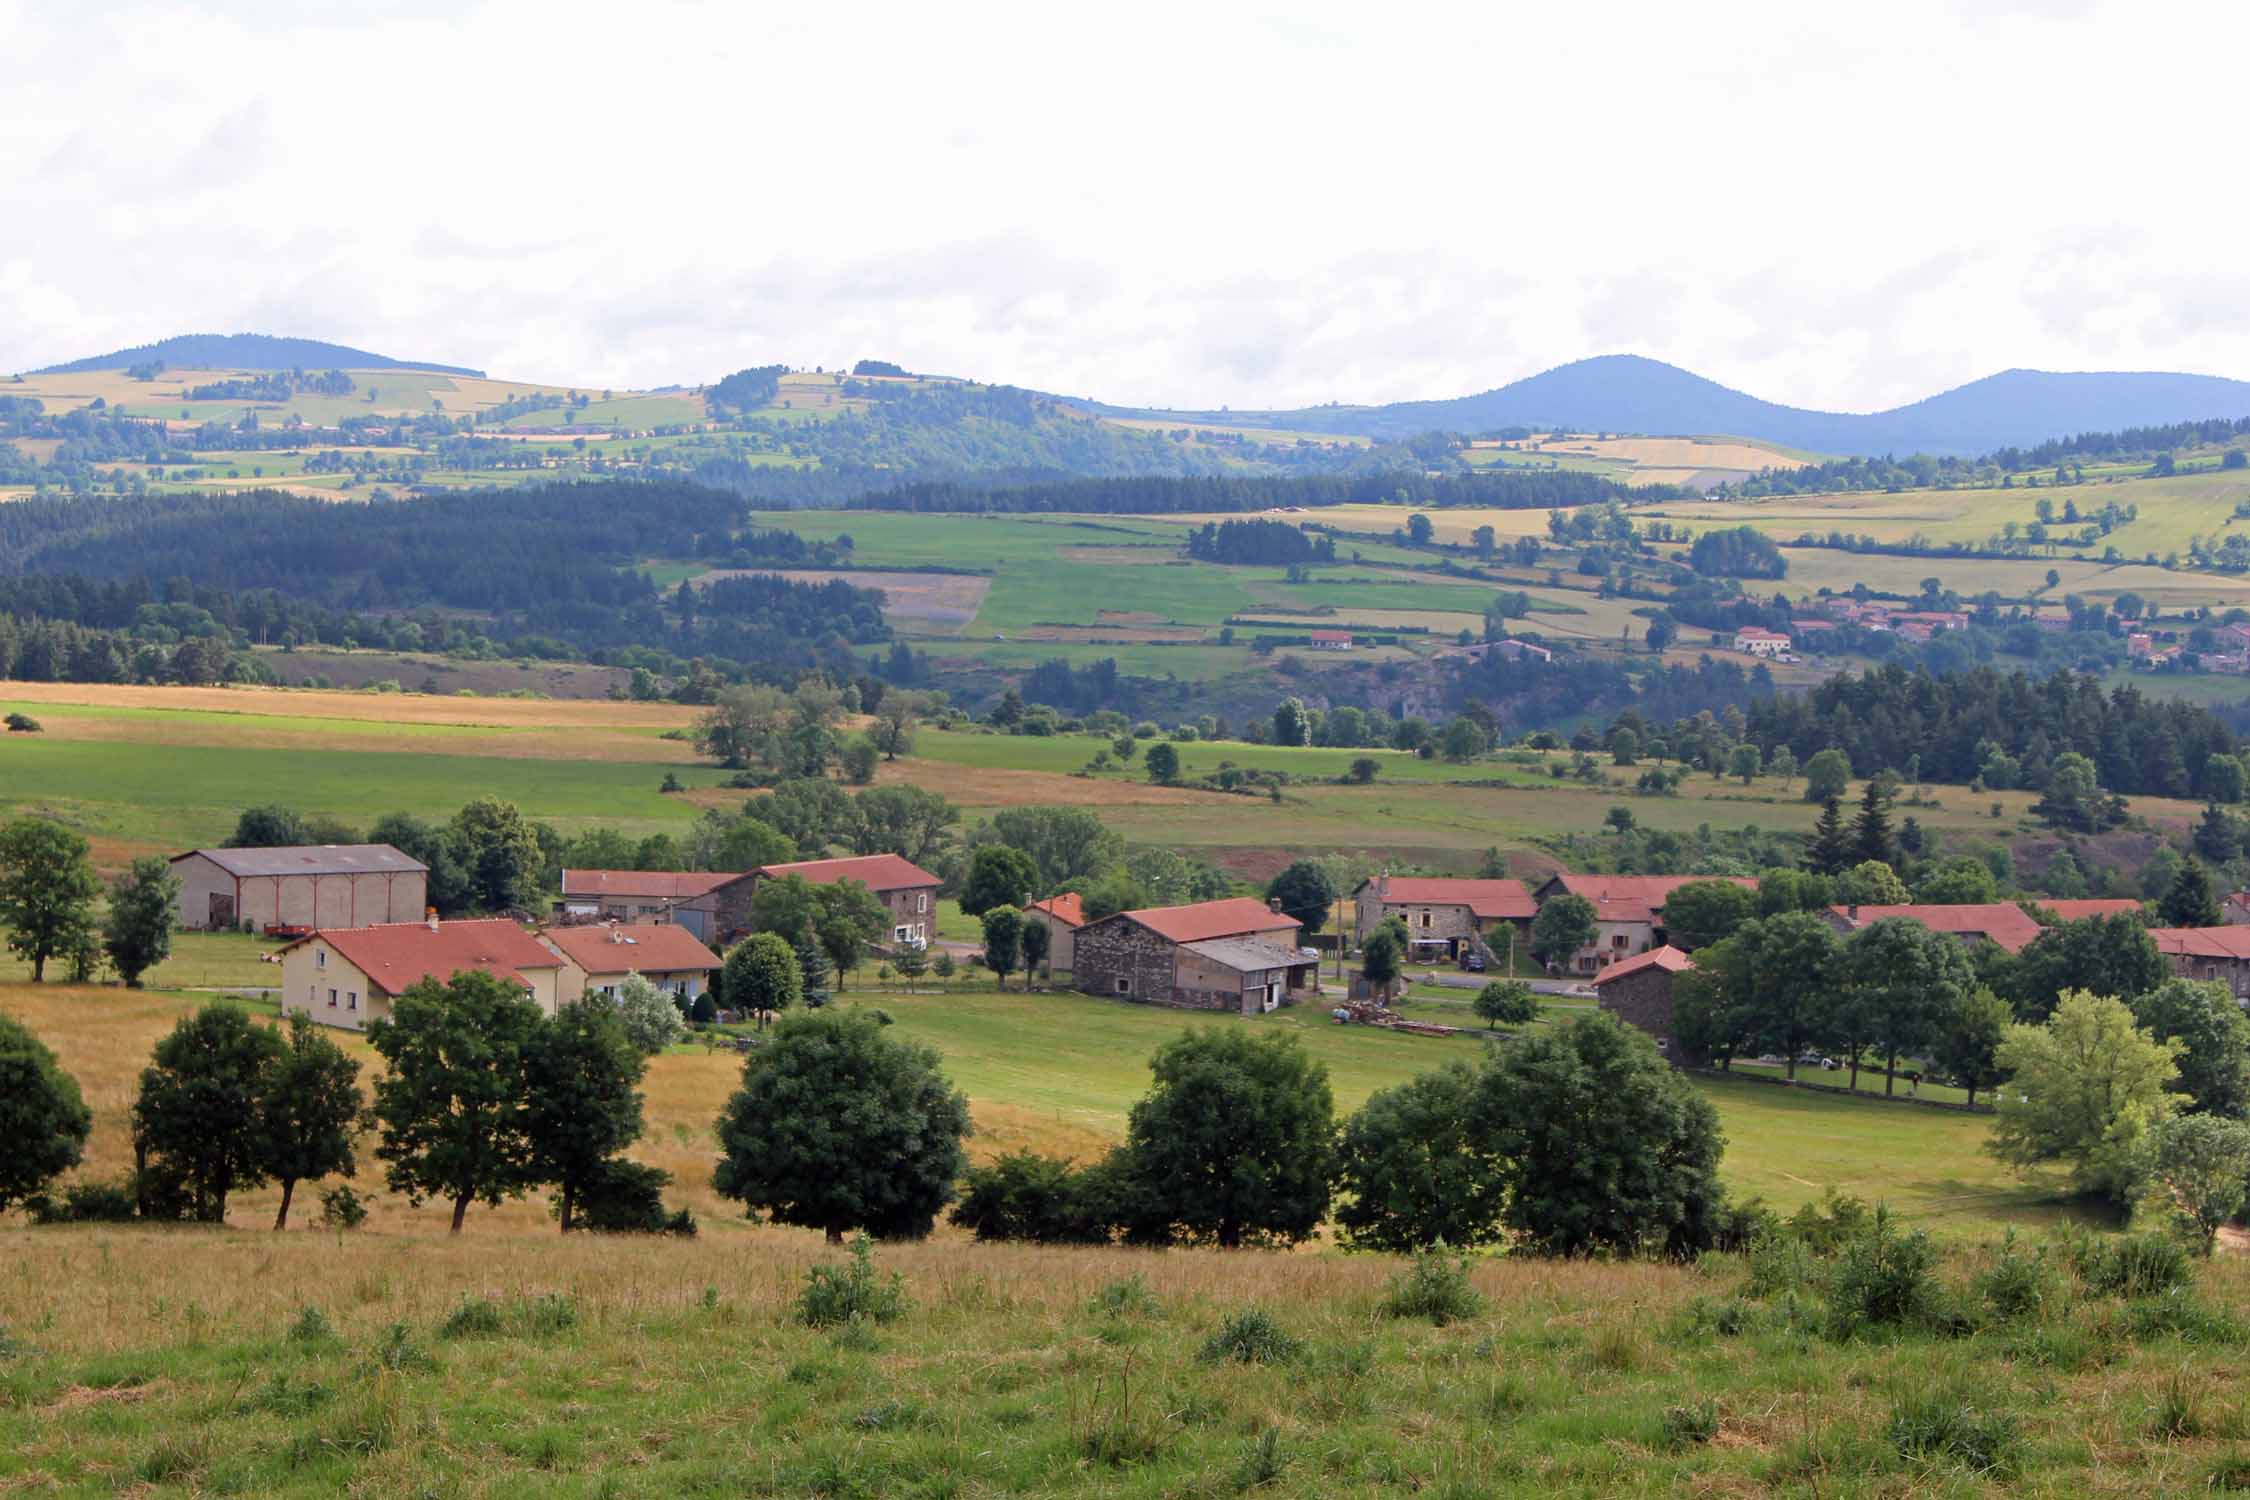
(1644, 999)
(1115, 950)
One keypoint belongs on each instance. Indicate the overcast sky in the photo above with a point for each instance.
(1834, 206)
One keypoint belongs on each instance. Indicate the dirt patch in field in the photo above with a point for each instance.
(918, 598)
(78, 1397)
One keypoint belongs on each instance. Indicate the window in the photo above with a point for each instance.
(1424, 914)
(331, 999)
(351, 999)
(901, 934)
(320, 958)
(1124, 986)
(922, 902)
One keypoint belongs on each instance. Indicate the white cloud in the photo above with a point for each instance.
(1194, 205)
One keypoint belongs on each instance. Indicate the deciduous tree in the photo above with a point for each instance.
(44, 1120)
(455, 1103)
(197, 1113)
(137, 934)
(582, 1078)
(1414, 1171)
(47, 892)
(2085, 1089)
(310, 1113)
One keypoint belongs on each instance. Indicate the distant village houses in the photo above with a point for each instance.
(906, 890)
(1446, 918)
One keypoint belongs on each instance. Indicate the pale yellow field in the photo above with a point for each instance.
(1672, 453)
(383, 708)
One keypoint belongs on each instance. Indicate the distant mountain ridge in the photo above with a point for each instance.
(248, 351)
(1627, 393)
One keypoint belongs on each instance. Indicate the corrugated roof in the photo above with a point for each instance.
(1204, 920)
(309, 859)
(1245, 954)
(1066, 908)
(1667, 958)
(1491, 899)
(878, 872)
(2002, 921)
(612, 948)
(647, 885)
(397, 955)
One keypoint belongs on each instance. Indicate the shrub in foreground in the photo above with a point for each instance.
(1436, 1286)
(851, 1293)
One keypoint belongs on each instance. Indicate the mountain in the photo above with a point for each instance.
(248, 351)
(1626, 393)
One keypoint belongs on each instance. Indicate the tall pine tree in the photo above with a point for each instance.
(2190, 902)
(1871, 830)
(813, 963)
(1829, 851)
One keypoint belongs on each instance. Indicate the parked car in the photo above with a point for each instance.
(1472, 961)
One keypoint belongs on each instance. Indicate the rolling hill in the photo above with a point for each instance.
(1627, 393)
(247, 351)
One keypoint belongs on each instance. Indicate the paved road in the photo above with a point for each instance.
(1454, 980)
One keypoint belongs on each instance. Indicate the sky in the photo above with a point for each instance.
(1836, 206)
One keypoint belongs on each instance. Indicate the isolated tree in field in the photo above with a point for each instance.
(310, 1113)
(651, 1021)
(1306, 892)
(2214, 1037)
(1966, 1047)
(1003, 940)
(1828, 776)
(912, 963)
(1364, 769)
(1565, 925)
(47, 892)
(1744, 764)
(1703, 912)
(998, 876)
(1412, 1170)
(137, 934)
(744, 727)
(582, 1078)
(455, 1103)
(1163, 763)
(1234, 1142)
(895, 719)
(1033, 940)
(2086, 1089)
(500, 851)
(2199, 1166)
(197, 1113)
(838, 1127)
(1870, 883)
(1781, 765)
(1624, 746)
(44, 1120)
(1506, 1002)
(1291, 726)
(2190, 902)
(1608, 1147)
(2101, 955)
(1463, 741)
(761, 975)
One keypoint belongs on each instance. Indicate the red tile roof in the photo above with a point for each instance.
(397, 955)
(2202, 942)
(1066, 908)
(644, 947)
(2079, 911)
(1667, 958)
(2002, 921)
(1211, 919)
(1491, 899)
(646, 885)
(878, 872)
(1650, 891)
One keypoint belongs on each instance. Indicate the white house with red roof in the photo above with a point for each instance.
(598, 957)
(907, 890)
(1235, 955)
(1759, 641)
(1062, 916)
(1445, 916)
(349, 976)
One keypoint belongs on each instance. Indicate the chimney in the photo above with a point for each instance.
(429, 915)
(616, 933)
(1851, 913)
(1273, 904)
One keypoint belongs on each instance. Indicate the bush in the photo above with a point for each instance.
(1690, 1426)
(1026, 1196)
(1882, 1278)
(20, 723)
(479, 1317)
(1940, 1427)
(1436, 1286)
(86, 1203)
(2133, 1265)
(341, 1208)
(1119, 1298)
(1780, 1262)
(1251, 1337)
(626, 1197)
(2016, 1285)
(852, 1292)
(312, 1327)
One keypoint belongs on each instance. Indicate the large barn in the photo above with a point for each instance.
(321, 885)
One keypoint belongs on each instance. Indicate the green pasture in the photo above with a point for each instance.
(1081, 1062)
(624, 411)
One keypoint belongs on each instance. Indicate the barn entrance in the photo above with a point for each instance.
(222, 913)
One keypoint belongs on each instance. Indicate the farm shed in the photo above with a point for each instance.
(320, 885)
(1238, 955)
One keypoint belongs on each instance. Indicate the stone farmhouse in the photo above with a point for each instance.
(1628, 912)
(1234, 955)
(907, 890)
(2208, 953)
(1062, 916)
(322, 885)
(712, 905)
(1444, 917)
(598, 957)
(349, 976)
(2002, 922)
(1638, 991)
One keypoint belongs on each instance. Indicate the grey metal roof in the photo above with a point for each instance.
(1244, 953)
(312, 859)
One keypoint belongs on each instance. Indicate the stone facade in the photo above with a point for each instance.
(1121, 957)
(1199, 983)
(1644, 999)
